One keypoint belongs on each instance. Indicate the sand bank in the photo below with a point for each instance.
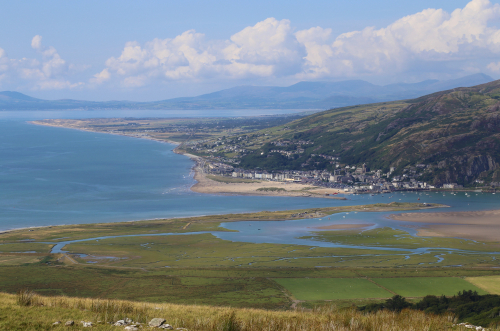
(476, 225)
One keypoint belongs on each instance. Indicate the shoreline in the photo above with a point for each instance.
(205, 185)
(38, 122)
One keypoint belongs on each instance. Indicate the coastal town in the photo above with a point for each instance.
(350, 179)
(221, 157)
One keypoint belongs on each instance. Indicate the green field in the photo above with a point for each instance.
(422, 286)
(332, 288)
(363, 288)
(489, 283)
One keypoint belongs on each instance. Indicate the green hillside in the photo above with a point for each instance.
(453, 136)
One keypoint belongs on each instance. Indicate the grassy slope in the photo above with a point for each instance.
(44, 311)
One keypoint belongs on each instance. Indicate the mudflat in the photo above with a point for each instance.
(476, 225)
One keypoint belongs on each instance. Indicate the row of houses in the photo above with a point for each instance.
(284, 176)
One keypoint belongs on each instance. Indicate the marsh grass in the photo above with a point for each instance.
(194, 318)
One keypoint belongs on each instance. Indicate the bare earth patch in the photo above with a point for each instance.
(476, 225)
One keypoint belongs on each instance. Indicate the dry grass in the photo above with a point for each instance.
(225, 319)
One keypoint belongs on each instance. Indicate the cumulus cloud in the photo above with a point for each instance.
(430, 35)
(495, 67)
(267, 48)
(48, 73)
(272, 48)
(430, 42)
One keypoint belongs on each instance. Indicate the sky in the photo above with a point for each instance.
(156, 50)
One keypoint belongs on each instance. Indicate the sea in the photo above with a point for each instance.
(53, 176)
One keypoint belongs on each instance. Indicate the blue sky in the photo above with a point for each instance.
(153, 50)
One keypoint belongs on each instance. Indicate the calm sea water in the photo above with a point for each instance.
(51, 176)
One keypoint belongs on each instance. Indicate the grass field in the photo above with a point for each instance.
(363, 288)
(332, 288)
(17, 259)
(231, 179)
(490, 284)
(223, 286)
(205, 250)
(422, 286)
(143, 285)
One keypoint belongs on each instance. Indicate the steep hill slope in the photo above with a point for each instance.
(450, 136)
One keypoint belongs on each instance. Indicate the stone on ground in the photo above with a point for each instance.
(157, 322)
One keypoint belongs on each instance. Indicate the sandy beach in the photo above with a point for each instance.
(475, 225)
(206, 185)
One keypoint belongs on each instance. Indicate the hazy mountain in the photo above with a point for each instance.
(303, 95)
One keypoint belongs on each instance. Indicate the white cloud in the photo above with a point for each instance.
(48, 73)
(430, 35)
(270, 42)
(272, 49)
(495, 67)
(426, 44)
(101, 77)
(265, 49)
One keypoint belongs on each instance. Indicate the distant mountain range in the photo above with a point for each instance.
(303, 95)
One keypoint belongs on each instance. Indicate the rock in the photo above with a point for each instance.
(56, 323)
(157, 322)
(120, 323)
(87, 324)
(69, 323)
(131, 328)
(167, 327)
(128, 320)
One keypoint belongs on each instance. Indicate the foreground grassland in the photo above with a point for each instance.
(44, 311)
(192, 266)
